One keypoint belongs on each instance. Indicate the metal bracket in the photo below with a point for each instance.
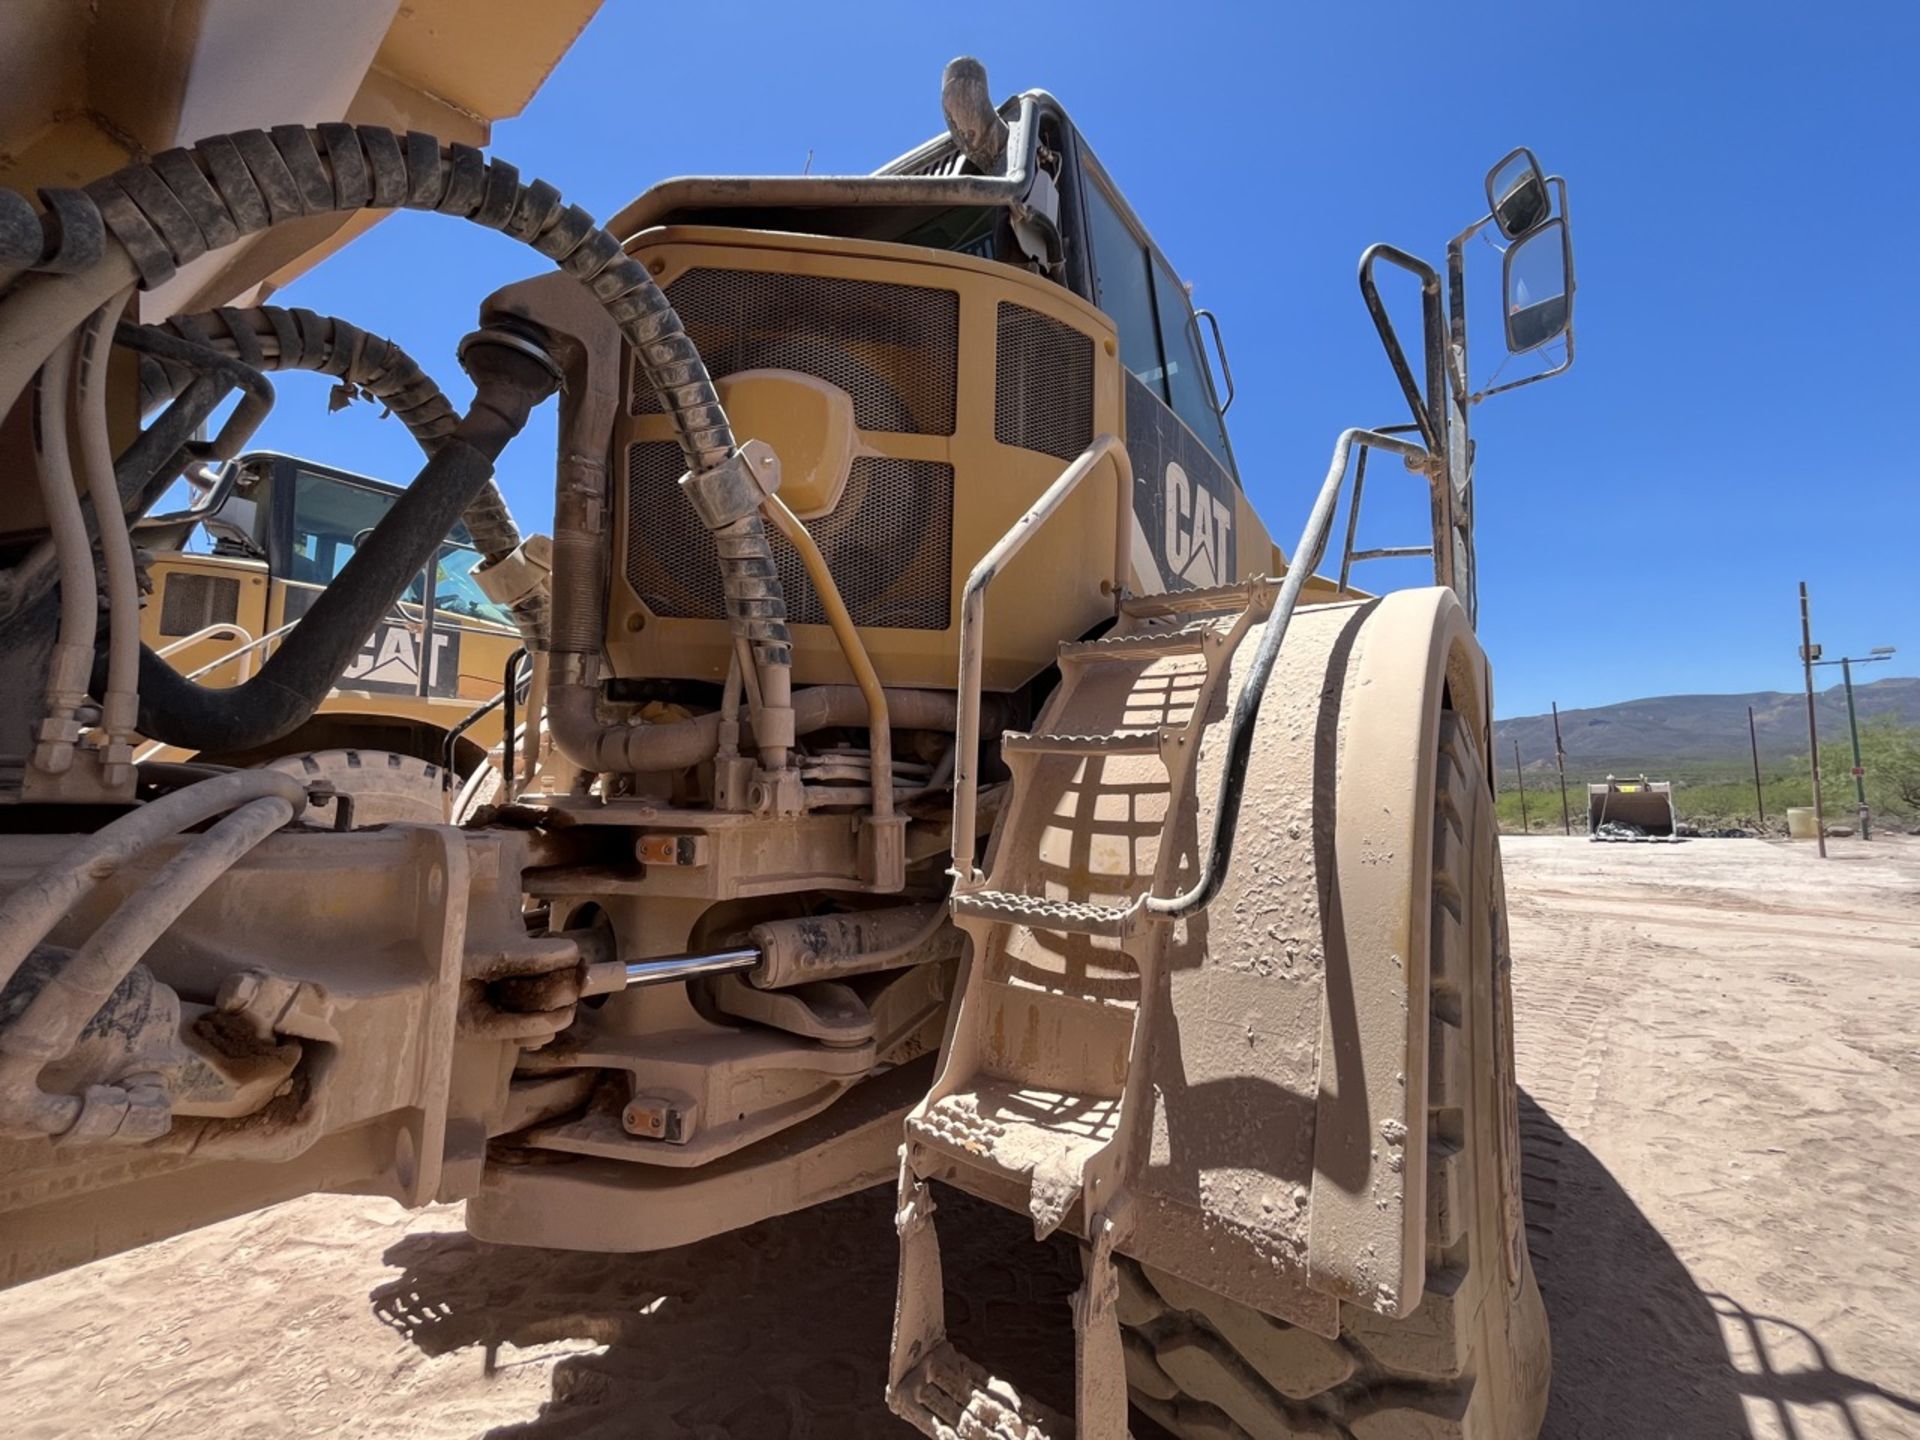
(736, 487)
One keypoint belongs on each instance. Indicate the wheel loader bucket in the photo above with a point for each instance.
(1631, 810)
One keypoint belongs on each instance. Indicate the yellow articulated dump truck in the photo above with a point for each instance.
(950, 783)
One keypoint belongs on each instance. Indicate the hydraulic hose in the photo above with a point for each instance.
(120, 698)
(298, 675)
(879, 722)
(270, 338)
(79, 596)
(156, 216)
(53, 1019)
(37, 904)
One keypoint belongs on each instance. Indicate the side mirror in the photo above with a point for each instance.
(1538, 284)
(1517, 194)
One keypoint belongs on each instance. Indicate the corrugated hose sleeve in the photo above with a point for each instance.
(271, 338)
(170, 211)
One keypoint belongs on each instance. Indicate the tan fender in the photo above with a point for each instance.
(1367, 1242)
(1286, 1159)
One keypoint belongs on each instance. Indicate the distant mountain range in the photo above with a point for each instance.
(1691, 731)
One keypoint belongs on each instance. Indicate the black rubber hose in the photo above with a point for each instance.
(509, 684)
(310, 662)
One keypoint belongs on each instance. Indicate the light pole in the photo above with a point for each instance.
(1846, 664)
(1810, 652)
(1560, 759)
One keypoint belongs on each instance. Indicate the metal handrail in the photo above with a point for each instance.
(1349, 555)
(244, 652)
(1246, 709)
(973, 616)
(207, 632)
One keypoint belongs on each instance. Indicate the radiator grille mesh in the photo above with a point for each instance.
(893, 348)
(1043, 384)
(888, 544)
(193, 602)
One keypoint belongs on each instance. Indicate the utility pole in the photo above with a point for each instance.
(1526, 828)
(1560, 759)
(1846, 664)
(1753, 742)
(1859, 771)
(1808, 654)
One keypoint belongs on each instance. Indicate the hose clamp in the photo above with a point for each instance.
(736, 487)
(512, 340)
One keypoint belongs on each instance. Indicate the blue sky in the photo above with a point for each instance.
(1744, 201)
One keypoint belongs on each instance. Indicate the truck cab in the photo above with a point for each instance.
(1020, 186)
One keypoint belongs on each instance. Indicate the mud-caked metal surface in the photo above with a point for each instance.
(1271, 1109)
(393, 1055)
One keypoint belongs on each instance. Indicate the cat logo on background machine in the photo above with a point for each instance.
(389, 663)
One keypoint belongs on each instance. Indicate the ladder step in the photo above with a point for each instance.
(1025, 1134)
(949, 1394)
(1214, 598)
(1190, 639)
(1118, 742)
(1072, 917)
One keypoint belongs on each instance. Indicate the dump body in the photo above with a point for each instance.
(1631, 810)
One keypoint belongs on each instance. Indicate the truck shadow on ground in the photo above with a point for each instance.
(1640, 1350)
(781, 1330)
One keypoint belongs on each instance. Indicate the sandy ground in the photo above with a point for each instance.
(1721, 1047)
(1720, 1043)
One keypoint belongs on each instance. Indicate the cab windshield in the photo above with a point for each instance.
(332, 516)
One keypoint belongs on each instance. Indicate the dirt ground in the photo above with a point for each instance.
(1720, 1044)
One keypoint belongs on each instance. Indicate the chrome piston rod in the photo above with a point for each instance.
(610, 976)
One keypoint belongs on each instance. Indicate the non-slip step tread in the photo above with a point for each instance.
(1000, 1123)
(1076, 917)
(1189, 639)
(1117, 742)
(965, 1398)
(1217, 598)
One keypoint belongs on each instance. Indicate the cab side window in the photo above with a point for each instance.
(1187, 388)
(1159, 342)
(1125, 289)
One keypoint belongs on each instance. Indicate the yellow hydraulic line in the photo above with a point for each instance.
(844, 630)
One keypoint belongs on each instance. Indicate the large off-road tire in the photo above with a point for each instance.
(1471, 1362)
(386, 786)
